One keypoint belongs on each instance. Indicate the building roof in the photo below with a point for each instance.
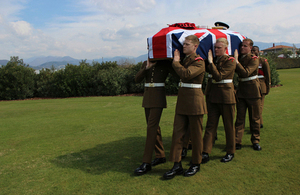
(278, 47)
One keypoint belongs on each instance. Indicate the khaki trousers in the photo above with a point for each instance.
(181, 125)
(261, 108)
(154, 139)
(253, 106)
(214, 111)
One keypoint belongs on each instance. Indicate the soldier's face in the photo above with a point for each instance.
(255, 51)
(220, 49)
(245, 47)
(189, 47)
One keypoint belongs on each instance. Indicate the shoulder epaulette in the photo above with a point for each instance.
(198, 58)
(231, 58)
(266, 60)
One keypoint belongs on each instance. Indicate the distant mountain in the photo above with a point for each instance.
(3, 62)
(113, 59)
(41, 60)
(141, 58)
(121, 59)
(56, 64)
(60, 62)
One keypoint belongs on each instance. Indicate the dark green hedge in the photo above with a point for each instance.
(287, 63)
(18, 80)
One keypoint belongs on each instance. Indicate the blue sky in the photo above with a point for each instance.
(40, 13)
(92, 29)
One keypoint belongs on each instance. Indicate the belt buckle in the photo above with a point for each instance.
(180, 84)
(151, 84)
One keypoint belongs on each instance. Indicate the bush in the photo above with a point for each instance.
(286, 63)
(274, 73)
(132, 86)
(111, 82)
(17, 80)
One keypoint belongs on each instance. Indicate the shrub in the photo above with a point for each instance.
(274, 73)
(17, 80)
(287, 63)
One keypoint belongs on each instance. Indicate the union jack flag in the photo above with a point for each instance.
(163, 44)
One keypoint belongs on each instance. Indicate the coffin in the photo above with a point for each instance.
(163, 44)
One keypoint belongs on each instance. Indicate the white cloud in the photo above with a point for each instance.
(124, 7)
(105, 28)
(21, 28)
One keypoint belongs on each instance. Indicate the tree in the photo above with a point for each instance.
(274, 74)
(286, 53)
(17, 80)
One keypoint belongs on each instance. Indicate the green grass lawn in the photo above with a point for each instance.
(92, 146)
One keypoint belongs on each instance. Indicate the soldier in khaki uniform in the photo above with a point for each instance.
(190, 107)
(264, 76)
(220, 100)
(154, 100)
(249, 95)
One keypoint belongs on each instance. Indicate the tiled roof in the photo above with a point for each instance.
(279, 47)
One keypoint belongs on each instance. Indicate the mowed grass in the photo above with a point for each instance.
(92, 145)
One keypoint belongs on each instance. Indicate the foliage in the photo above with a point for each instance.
(287, 63)
(43, 83)
(16, 80)
(171, 84)
(132, 70)
(274, 73)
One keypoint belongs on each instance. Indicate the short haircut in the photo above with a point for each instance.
(255, 47)
(250, 41)
(222, 40)
(193, 38)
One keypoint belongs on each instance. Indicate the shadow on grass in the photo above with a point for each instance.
(122, 156)
(118, 156)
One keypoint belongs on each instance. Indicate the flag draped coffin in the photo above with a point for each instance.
(163, 44)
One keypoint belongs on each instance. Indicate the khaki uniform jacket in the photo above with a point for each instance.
(248, 67)
(264, 69)
(190, 101)
(154, 97)
(224, 92)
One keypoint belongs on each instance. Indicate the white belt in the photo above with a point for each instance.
(248, 78)
(260, 76)
(154, 84)
(189, 85)
(209, 76)
(222, 81)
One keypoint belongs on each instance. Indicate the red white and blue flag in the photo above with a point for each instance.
(163, 44)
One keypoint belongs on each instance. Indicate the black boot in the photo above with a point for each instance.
(194, 168)
(176, 170)
(144, 168)
(183, 153)
(228, 157)
(158, 161)
(238, 146)
(205, 158)
(256, 147)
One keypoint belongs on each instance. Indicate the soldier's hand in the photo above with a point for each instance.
(236, 55)
(149, 64)
(210, 57)
(176, 56)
